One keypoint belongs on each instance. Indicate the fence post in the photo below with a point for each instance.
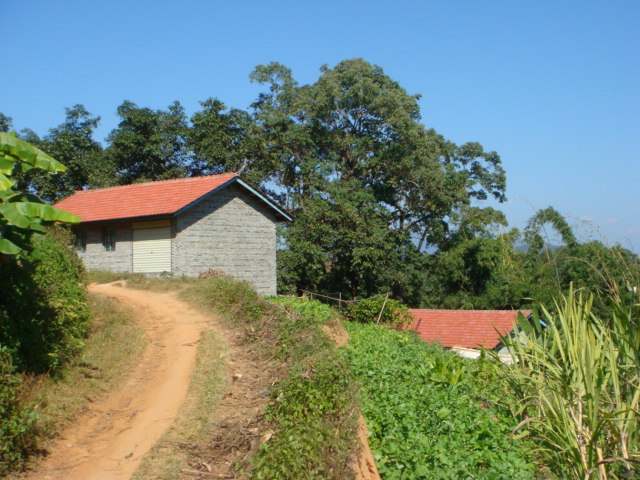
(382, 309)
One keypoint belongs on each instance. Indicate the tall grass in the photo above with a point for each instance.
(578, 383)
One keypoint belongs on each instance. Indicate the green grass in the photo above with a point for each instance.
(142, 282)
(429, 411)
(312, 411)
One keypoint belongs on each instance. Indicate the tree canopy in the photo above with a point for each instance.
(382, 202)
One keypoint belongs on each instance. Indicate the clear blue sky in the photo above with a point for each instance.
(553, 87)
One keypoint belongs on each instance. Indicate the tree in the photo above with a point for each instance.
(72, 143)
(341, 243)
(356, 133)
(225, 141)
(6, 123)
(477, 266)
(149, 144)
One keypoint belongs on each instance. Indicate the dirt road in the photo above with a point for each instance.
(110, 439)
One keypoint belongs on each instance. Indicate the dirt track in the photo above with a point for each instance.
(109, 440)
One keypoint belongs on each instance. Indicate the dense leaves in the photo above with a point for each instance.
(17, 422)
(577, 385)
(382, 202)
(43, 310)
(428, 411)
(21, 214)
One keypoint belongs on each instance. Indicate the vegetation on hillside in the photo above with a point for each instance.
(43, 309)
(313, 406)
(431, 413)
(575, 383)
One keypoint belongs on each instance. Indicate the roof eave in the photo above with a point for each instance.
(279, 211)
(127, 219)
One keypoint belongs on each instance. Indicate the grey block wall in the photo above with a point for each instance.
(97, 258)
(230, 231)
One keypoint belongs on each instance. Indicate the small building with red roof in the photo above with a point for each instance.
(182, 226)
(464, 330)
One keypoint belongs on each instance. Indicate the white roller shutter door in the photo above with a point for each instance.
(152, 250)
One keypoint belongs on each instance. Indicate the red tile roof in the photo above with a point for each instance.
(463, 328)
(141, 199)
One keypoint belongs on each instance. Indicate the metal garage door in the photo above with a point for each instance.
(152, 250)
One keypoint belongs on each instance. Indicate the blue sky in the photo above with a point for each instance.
(553, 87)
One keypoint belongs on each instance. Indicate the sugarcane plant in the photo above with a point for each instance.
(576, 377)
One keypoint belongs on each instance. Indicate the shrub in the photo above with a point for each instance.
(313, 411)
(578, 385)
(368, 310)
(17, 423)
(43, 310)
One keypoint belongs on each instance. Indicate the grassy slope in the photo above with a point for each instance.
(113, 345)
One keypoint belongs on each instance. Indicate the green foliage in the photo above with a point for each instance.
(226, 141)
(72, 144)
(235, 299)
(313, 415)
(17, 423)
(577, 383)
(43, 311)
(363, 177)
(312, 411)
(429, 411)
(23, 214)
(149, 144)
(343, 244)
(368, 310)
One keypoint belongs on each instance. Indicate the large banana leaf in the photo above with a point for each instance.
(12, 147)
(6, 164)
(46, 212)
(5, 183)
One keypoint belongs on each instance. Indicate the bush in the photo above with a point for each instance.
(17, 423)
(313, 411)
(577, 382)
(367, 310)
(43, 309)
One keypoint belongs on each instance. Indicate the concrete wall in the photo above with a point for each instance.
(230, 231)
(97, 258)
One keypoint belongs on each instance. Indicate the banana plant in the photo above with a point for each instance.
(22, 214)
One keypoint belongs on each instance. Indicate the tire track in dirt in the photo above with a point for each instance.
(109, 440)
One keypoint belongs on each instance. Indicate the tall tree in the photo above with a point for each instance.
(226, 141)
(357, 130)
(149, 144)
(73, 144)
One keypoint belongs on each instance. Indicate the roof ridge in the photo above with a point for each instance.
(155, 182)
